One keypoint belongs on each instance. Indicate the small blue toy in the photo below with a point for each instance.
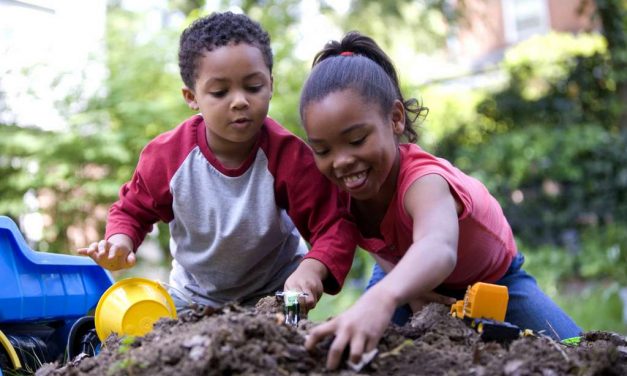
(45, 303)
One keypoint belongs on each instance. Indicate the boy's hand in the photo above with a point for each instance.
(116, 253)
(308, 278)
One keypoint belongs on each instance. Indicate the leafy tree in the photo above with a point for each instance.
(18, 162)
(612, 15)
(552, 146)
(80, 171)
(83, 168)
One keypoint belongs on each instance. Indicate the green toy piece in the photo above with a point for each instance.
(291, 305)
(572, 341)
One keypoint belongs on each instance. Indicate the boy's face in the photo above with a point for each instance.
(354, 143)
(232, 91)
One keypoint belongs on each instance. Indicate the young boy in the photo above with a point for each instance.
(236, 189)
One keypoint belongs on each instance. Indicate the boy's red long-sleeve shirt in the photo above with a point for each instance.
(236, 233)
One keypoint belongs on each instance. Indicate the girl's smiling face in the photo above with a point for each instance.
(355, 142)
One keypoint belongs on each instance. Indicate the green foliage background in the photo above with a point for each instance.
(549, 143)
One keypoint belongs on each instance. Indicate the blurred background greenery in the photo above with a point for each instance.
(549, 139)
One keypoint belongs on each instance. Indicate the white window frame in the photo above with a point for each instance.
(512, 12)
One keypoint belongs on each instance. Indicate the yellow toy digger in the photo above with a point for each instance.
(483, 308)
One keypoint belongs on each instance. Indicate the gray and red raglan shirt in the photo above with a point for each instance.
(236, 234)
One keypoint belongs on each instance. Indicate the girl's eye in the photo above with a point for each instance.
(320, 152)
(255, 89)
(359, 141)
(218, 94)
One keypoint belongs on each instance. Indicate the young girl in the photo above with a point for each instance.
(429, 226)
(230, 183)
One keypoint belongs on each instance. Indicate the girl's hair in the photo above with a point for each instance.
(358, 63)
(217, 30)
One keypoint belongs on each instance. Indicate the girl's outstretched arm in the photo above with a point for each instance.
(426, 264)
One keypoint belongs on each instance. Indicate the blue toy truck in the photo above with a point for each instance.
(45, 303)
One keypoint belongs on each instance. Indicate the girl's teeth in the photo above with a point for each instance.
(355, 180)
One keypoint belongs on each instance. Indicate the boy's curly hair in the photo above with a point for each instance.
(217, 30)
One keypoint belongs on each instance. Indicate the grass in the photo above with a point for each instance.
(593, 304)
(596, 307)
(332, 305)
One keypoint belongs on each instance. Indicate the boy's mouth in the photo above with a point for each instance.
(241, 122)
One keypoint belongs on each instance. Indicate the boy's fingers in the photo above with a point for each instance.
(113, 253)
(131, 259)
(118, 252)
(102, 248)
(310, 301)
(87, 251)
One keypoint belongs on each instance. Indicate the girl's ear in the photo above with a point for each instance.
(190, 98)
(398, 117)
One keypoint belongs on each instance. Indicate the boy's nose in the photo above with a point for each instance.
(239, 101)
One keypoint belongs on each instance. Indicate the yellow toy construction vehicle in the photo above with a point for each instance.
(483, 308)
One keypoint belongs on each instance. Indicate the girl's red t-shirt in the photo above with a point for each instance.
(486, 244)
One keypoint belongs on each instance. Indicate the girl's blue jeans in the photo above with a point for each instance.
(528, 306)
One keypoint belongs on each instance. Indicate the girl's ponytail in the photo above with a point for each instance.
(343, 68)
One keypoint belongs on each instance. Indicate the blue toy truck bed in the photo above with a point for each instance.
(38, 286)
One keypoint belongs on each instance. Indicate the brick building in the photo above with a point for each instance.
(491, 26)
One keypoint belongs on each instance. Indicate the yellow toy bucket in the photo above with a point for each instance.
(131, 306)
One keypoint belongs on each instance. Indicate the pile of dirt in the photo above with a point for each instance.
(236, 340)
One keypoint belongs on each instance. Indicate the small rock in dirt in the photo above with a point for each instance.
(269, 304)
(512, 366)
(197, 341)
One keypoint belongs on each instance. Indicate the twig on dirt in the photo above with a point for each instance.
(397, 350)
(555, 343)
(552, 329)
(365, 360)
(557, 346)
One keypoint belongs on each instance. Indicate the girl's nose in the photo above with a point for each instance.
(343, 161)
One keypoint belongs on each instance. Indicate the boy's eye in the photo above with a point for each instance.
(218, 93)
(254, 89)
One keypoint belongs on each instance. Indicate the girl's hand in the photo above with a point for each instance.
(360, 328)
(113, 254)
(308, 278)
(430, 297)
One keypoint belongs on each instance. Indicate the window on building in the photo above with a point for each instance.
(524, 18)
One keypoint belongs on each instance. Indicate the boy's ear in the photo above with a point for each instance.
(398, 117)
(190, 98)
(271, 86)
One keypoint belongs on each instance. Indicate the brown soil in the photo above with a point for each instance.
(237, 340)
